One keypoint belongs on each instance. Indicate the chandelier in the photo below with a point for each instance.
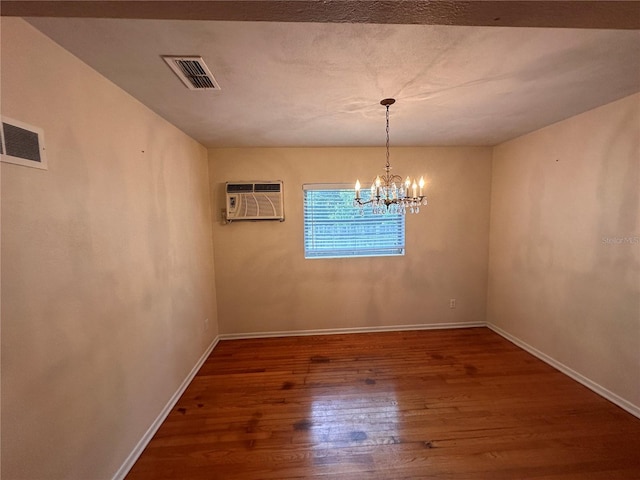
(389, 194)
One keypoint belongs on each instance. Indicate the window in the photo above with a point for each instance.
(334, 228)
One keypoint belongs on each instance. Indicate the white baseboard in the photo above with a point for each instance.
(337, 331)
(599, 389)
(151, 431)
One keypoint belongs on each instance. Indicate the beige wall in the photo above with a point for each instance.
(107, 267)
(565, 244)
(265, 284)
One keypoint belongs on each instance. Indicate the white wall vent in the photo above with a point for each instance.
(22, 144)
(193, 72)
(254, 201)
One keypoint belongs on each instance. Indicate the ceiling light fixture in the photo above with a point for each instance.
(388, 193)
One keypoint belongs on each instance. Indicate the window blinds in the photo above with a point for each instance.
(334, 228)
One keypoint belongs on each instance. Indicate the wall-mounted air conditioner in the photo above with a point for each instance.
(254, 201)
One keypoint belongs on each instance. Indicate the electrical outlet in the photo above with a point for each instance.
(206, 324)
(452, 303)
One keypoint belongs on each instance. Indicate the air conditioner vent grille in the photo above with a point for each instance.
(193, 72)
(22, 144)
(254, 201)
(267, 187)
(239, 187)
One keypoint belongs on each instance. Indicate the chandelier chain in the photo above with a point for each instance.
(388, 164)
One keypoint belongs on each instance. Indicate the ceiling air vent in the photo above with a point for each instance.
(193, 72)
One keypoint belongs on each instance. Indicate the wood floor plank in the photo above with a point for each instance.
(445, 404)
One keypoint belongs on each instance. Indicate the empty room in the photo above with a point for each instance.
(320, 239)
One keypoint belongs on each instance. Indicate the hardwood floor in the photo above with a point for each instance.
(439, 404)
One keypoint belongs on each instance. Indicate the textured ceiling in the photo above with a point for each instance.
(304, 83)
